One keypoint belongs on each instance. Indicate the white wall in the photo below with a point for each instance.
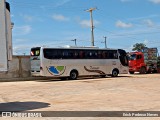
(3, 37)
(19, 67)
(9, 34)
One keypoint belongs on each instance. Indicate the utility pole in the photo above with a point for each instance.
(105, 41)
(92, 26)
(75, 40)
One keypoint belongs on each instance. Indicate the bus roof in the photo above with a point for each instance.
(75, 47)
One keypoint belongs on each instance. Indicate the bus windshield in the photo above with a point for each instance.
(123, 57)
(35, 51)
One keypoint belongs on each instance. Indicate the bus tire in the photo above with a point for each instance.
(73, 75)
(115, 73)
(131, 72)
(142, 70)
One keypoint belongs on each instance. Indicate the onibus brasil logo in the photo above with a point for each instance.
(56, 70)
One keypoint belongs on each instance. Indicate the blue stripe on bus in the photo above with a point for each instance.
(53, 70)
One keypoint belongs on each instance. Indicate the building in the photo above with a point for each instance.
(5, 35)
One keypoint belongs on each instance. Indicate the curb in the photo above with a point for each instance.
(24, 79)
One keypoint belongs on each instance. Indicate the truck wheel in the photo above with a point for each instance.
(115, 73)
(149, 71)
(142, 70)
(131, 72)
(155, 71)
(73, 75)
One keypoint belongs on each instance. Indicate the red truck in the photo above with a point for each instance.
(144, 61)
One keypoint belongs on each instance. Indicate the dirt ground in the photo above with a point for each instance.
(124, 93)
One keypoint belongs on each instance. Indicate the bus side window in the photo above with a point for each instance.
(104, 55)
(81, 54)
(70, 54)
(111, 55)
(99, 54)
(48, 54)
(75, 54)
(52, 54)
(59, 54)
(115, 55)
(65, 54)
(90, 54)
(95, 55)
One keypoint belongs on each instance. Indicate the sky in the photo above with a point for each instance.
(55, 23)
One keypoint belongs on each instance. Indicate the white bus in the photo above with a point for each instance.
(74, 62)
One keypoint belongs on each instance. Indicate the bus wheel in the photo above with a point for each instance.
(131, 72)
(142, 70)
(115, 73)
(73, 75)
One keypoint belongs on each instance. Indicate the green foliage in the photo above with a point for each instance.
(138, 46)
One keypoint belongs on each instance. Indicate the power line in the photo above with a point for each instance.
(116, 33)
(42, 5)
(127, 35)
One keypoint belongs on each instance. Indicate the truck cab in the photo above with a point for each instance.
(144, 61)
(137, 63)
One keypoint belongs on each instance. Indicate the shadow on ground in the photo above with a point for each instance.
(22, 106)
(92, 78)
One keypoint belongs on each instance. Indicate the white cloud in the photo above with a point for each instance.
(62, 2)
(20, 47)
(87, 23)
(59, 17)
(22, 30)
(121, 24)
(12, 15)
(149, 23)
(129, 48)
(21, 50)
(144, 17)
(126, 0)
(31, 18)
(146, 42)
(20, 40)
(155, 1)
(28, 18)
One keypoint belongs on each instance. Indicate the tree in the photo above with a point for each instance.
(138, 46)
